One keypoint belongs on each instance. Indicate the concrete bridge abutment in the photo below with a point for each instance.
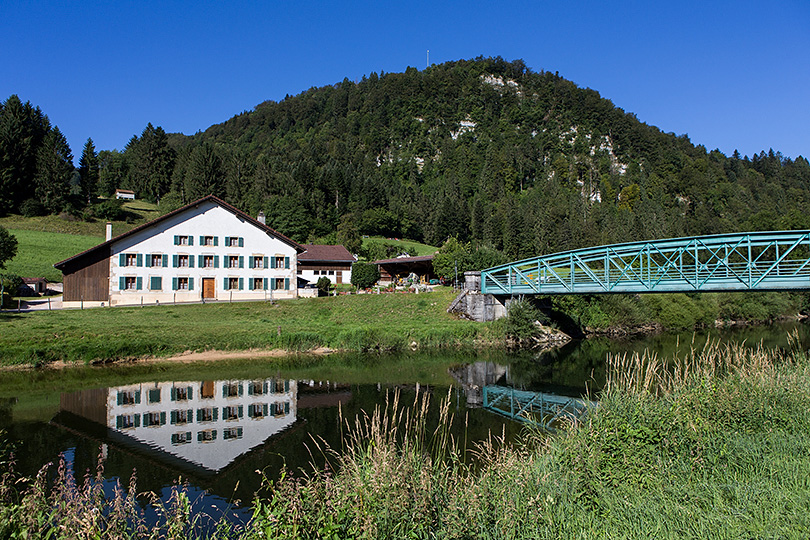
(475, 305)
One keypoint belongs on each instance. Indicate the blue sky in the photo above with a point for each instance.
(730, 74)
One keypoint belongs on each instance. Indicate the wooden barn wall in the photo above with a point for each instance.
(317, 266)
(88, 278)
(89, 404)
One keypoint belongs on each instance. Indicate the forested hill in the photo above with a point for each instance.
(485, 150)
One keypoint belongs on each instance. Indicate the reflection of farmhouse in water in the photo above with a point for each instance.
(198, 424)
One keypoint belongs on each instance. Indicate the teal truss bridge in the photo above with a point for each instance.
(536, 408)
(757, 261)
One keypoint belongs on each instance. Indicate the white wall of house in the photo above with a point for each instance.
(134, 279)
(312, 277)
(207, 430)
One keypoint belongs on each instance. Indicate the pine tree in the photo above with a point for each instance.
(54, 171)
(88, 169)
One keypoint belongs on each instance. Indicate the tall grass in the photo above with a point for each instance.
(711, 445)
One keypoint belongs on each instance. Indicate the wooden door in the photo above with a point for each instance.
(209, 291)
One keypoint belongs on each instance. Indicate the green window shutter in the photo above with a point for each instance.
(199, 415)
(162, 418)
(227, 241)
(138, 283)
(241, 261)
(191, 261)
(174, 288)
(286, 284)
(139, 260)
(250, 284)
(241, 284)
(176, 240)
(216, 241)
(188, 414)
(145, 420)
(199, 435)
(266, 262)
(156, 284)
(264, 409)
(273, 284)
(216, 261)
(165, 260)
(250, 412)
(241, 411)
(200, 260)
(190, 392)
(119, 421)
(120, 398)
(241, 242)
(148, 262)
(216, 414)
(265, 284)
(225, 285)
(224, 390)
(287, 386)
(287, 263)
(286, 406)
(175, 261)
(250, 261)
(137, 396)
(190, 240)
(173, 394)
(202, 240)
(173, 417)
(272, 262)
(241, 389)
(122, 259)
(191, 283)
(137, 420)
(122, 283)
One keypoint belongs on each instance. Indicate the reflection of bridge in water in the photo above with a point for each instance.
(536, 408)
(757, 261)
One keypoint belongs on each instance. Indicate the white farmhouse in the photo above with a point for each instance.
(205, 251)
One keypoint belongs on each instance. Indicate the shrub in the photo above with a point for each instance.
(32, 208)
(324, 284)
(364, 275)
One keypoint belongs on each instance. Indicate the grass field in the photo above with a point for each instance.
(37, 251)
(351, 322)
(140, 212)
(421, 249)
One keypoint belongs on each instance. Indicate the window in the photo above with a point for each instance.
(208, 414)
(231, 390)
(182, 241)
(182, 284)
(233, 283)
(257, 262)
(207, 436)
(281, 261)
(154, 395)
(316, 272)
(207, 389)
(279, 283)
(257, 388)
(232, 413)
(300, 272)
(257, 410)
(130, 283)
(182, 261)
(331, 272)
(130, 397)
(208, 261)
(131, 259)
(155, 283)
(156, 259)
(208, 241)
(126, 421)
(184, 437)
(258, 284)
(181, 416)
(279, 408)
(232, 433)
(233, 261)
(154, 419)
(181, 393)
(234, 241)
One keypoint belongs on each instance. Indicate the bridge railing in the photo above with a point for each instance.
(730, 262)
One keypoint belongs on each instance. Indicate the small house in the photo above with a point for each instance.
(125, 194)
(334, 262)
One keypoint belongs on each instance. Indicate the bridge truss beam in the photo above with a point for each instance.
(764, 261)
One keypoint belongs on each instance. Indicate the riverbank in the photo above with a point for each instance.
(715, 448)
(384, 322)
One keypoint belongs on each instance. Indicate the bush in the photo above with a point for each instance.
(32, 208)
(111, 210)
(324, 284)
(364, 275)
(520, 318)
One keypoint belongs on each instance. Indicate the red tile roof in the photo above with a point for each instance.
(322, 253)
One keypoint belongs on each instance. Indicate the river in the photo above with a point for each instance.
(216, 424)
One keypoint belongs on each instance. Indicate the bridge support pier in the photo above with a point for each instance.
(477, 306)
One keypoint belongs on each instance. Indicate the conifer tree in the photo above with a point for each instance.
(54, 171)
(88, 169)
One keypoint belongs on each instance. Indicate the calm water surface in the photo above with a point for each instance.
(216, 425)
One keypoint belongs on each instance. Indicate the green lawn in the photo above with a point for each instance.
(421, 249)
(37, 251)
(351, 322)
(140, 212)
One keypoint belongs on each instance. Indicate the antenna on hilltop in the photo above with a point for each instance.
(428, 59)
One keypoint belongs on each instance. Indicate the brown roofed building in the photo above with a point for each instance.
(393, 269)
(334, 262)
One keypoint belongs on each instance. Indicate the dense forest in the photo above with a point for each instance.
(484, 150)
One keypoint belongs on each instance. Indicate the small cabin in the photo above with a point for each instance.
(33, 286)
(125, 194)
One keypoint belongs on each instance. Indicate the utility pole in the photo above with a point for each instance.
(428, 59)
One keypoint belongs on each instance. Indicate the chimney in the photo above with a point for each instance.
(260, 218)
(109, 231)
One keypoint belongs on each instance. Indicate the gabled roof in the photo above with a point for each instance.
(405, 260)
(210, 198)
(322, 253)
